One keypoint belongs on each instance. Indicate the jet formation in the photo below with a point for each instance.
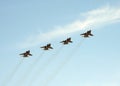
(65, 42)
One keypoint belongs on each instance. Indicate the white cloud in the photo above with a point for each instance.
(97, 17)
(101, 16)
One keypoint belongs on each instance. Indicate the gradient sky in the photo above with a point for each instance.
(96, 62)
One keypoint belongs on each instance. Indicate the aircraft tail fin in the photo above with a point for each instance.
(21, 54)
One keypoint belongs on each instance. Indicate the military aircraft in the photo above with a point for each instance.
(47, 47)
(68, 40)
(26, 54)
(87, 34)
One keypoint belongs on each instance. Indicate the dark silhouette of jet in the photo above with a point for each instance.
(47, 47)
(87, 34)
(67, 41)
(26, 54)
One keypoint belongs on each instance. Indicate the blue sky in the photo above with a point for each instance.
(27, 25)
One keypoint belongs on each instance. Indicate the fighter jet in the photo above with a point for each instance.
(47, 47)
(87, 34)
(68, 40)
(26, 54)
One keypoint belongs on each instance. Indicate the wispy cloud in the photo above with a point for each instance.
(96, 17)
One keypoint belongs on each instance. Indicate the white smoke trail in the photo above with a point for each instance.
(10, 77)
(50, 78)
(44, 66)
(29, 70)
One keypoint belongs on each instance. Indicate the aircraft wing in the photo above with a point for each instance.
(83, 34)
(62, 41)
(30, 54)
(51, 47)
(22, 54)
(91, 35)
(43, 47)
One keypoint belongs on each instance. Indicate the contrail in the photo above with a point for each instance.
(50, 78)
(40, 70)
(29, 70)
(10, 77)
